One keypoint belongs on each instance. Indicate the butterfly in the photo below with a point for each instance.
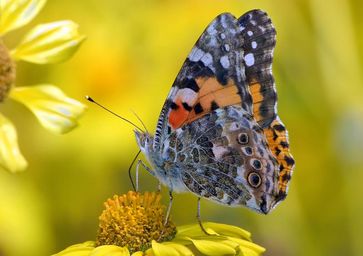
(218, 134)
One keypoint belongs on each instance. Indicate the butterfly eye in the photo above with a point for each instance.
(256, 164)
(254, 179)
(147, 140)
(242, 138)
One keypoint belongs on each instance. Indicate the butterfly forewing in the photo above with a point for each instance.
(211, 77)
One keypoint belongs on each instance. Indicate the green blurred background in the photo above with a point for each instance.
(132, 54)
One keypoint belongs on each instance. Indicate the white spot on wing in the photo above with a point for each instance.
(233, 31)
(223, 21)
(225, 62)
(249, 59)
(226, 47)
(249, 32)
(219, 151)
(213, 42)
(207, 59)
(234, 127)
(240, 174)
(187, 95)
(254, 45)
(253, 22)
(262, 28)
(223, 36)
(212, 30)
(196, 54)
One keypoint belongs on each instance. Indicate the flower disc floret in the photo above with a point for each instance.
(134, 220)
(7, 71)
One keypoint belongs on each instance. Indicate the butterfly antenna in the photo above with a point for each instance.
(130, 176)
(128, 121)
(138, 118)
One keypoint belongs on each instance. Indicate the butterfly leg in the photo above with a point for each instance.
(130, 168)
(169, 207)
(200, 221)
(149, 170)
(166, 220)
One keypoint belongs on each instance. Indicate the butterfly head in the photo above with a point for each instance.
(144, 140)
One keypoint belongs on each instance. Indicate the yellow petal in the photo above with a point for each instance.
(49, 43)
(212, 228)
(138, 253)
(230, 243)
(192, 230)
(247, 244)
(248, 252)
(10, 157)
(84, 244)
(181, 249)
(149, 252)
(228, 230)
(213, 248)
(83, 249)
(163, 250)
(110, 250)
(16, 13)
(55, 111)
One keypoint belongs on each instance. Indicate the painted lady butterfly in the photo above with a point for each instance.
(218, 134)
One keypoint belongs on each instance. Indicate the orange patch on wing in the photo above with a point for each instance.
(279, 147)
(208, 85)
(212, 91)
(178, 116)
(224, 97)
(257, 98)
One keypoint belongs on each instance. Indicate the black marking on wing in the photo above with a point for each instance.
(214, 105)
(189, 83)
(174, 106)
(198, 108)
(186, 106)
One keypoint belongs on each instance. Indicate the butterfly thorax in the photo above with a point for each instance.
(164, 166)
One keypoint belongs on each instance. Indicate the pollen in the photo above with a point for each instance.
(134, 220)
(7, 71)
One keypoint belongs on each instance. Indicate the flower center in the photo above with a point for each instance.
(134, 220)
(7, 71)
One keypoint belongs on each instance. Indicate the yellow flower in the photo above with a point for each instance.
(132, 224)
(46, 43)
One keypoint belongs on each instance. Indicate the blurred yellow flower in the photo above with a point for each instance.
(134, 224)
(46, 43)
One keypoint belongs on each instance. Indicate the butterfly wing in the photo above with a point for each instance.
(223, 156)
(259, 39)
(211, 77)
(226, 90)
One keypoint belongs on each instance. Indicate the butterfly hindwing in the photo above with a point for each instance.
(223, 156)
(259, 37)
